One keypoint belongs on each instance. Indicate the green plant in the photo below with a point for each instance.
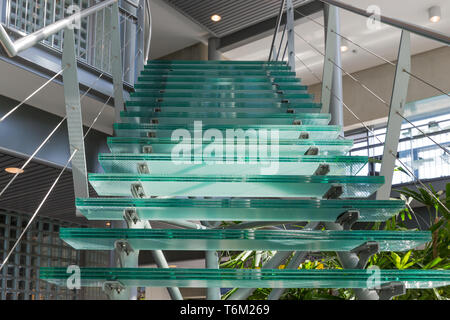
(435, 255)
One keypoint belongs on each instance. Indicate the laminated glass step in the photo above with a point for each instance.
(188, 86)
(250, 131)
(249, 278)
(133, 106)
(216, 62)
(293, 147)
(287, 210)
(226, 101)
(216, 80)
(253, 104)
(168, 66)
(149, 116)
(230, 164)
(219, 95)
(216, 73)
(276, 240)
(233, 185)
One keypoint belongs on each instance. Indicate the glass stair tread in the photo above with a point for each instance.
(248, 278)
(234, 185)
(217, 87)
(164, 117)
(215, 73)
(178, 107)
(292, 147)
(215, 62)
(238, 209)
(168, 66)
(221, 95)
(217, 79)
(281, 240)
(283, 131)
(245, 165)
(252, 105)
(195, 101)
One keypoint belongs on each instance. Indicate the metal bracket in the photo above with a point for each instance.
(312, 151)
(131, 217)
(334, 192)
(297, 122)
(142, 168)
(137, 191)
(391, 289)
(322, 170)
(348, 219)
(304, 135)
(365, 251)
(284, 101)
(123, 246)
(114, 290)
(154, 121)
(147, 149)
(290, 111)
(157, 109)
(151, 134)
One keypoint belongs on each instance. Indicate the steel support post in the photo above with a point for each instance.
(336, 95)
(298, 258)
(213, 52)
(398, 102)
(331, 51)
(74, 116)
(140, 43)
(278, 259)
(212, 262)
(291, 35)
(350, 260)
(116, 62)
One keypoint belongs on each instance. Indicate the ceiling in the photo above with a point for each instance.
(383, 41)
(27, 191)
(236, 14)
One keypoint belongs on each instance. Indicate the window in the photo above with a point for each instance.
(420, 155)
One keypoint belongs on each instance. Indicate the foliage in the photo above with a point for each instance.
(434, 255)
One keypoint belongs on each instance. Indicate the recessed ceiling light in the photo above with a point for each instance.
(344, 45)
(434, 14)
(108, 224)
(14, 170)
(216, 18)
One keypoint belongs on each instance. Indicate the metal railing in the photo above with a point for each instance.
(332, 96)
(107, 48)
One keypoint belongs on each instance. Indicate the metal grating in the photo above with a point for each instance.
(236, 14)
(28, 190)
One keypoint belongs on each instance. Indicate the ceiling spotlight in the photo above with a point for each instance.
(14, 170)
(108, 224)
(216, 18)
(344, 45)
(434, 14)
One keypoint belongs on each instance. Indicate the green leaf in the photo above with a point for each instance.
(433, 263)
(406, 258)
(396, 259)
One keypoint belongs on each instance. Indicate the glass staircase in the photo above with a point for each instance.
(233, 141)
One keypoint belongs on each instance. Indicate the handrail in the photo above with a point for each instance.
(421, 31)
(13, 48)
(277, 27)
(148, 12)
